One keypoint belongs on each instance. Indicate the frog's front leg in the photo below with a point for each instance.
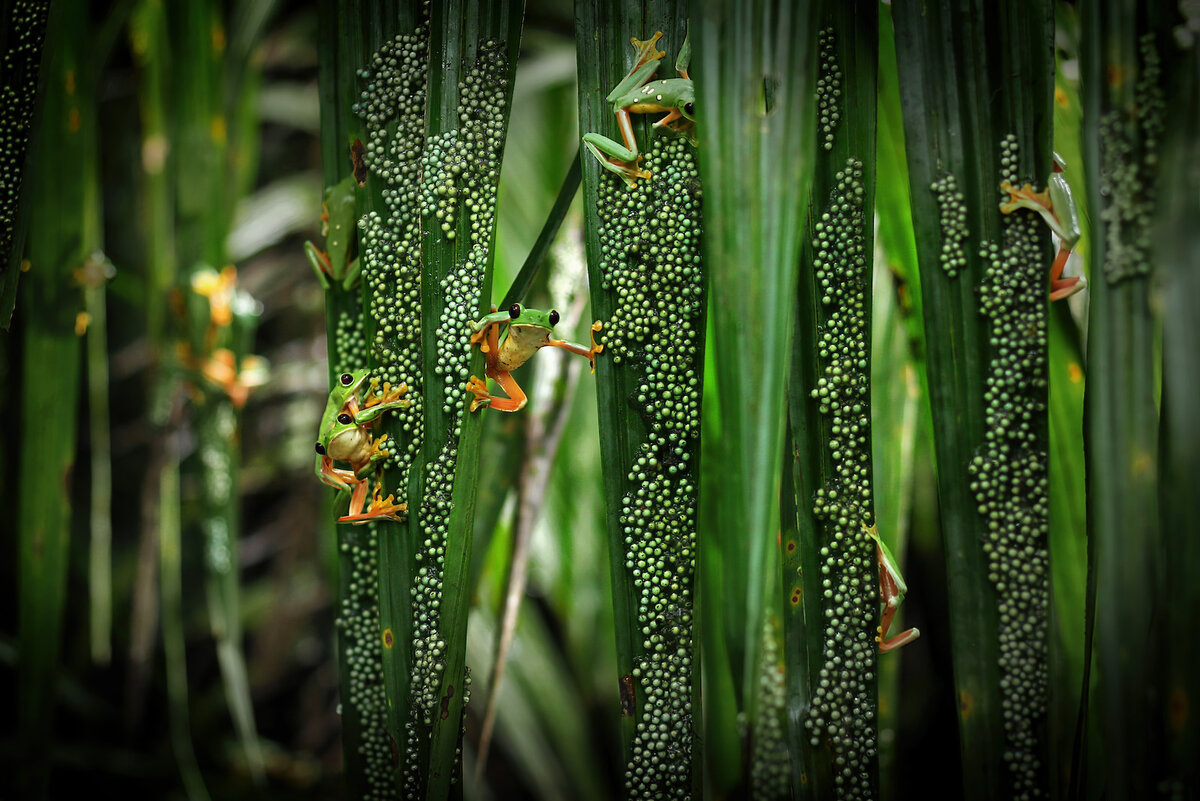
(589, 353)
(320, 263)
(377, 404)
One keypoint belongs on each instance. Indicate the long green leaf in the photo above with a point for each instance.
(646, 279)
(755, 115)
(62, 203)
(966, 86)
(1121, 74)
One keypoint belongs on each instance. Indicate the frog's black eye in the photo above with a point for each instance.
(320, 449)
(346, 379)
(345, 419)
(553, 318)
(689, 109)
(514, 311)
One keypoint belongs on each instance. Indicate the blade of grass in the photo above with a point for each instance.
(1178, 251)
(62, 229)
(1123, 105)
(646, 278)
(484, 39)
(366, 741)
(834, 717)
(755, 113)
(958, 108)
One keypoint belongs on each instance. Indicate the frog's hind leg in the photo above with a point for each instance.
(1064, 287)
(890, 590)
(513, 403)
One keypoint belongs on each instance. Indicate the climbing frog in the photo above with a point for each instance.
(1057, 206)
(891, 592)
(338, 218)
(344, 436)
(637, 94)
(528, 330)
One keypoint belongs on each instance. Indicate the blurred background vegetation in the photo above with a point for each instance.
(191, 651)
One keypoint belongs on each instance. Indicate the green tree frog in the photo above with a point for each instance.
(338, 220)
(637, 94)
(1057, 206)
(344, 436)
(528, 330)
(891, 592)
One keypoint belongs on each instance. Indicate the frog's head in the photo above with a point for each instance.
(519, 315)
(348, 384)
(687, 102)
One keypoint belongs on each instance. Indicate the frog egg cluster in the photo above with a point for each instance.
(392, 106)
(842, 716)
(952, 217)
(359, 641)
(22, 58)
(1009, 476)
(650, 260)
(461, 171)
(829, 87)
(771, 763)
(1129, 170)
(349, 343)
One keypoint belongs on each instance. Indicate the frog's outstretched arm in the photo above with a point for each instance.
(589, 353)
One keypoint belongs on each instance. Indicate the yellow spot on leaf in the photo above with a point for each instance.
(1060, 97)
(73, 120)
(69, 81)
(388, 639)
(81, 323)
(966, 705)
(1115, 76)
(1074, 372)
(1141, 465)
(216, 130)
(218, 39)
(25, 265)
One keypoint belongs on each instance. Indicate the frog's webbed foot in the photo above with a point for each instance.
(379, 509)
(478, 388)
(388, 394)
(647, 50)
(1024, 198)
(1064, 287)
